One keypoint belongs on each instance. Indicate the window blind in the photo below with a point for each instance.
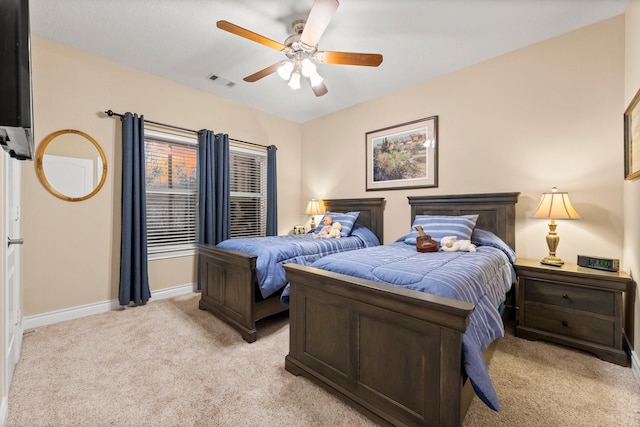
(171, 186)
(248, 192)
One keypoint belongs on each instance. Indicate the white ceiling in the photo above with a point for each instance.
(419, 40)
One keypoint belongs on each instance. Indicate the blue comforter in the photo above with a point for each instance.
(274, 251)
(482, 278)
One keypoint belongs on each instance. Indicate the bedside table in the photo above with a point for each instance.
(575, 306)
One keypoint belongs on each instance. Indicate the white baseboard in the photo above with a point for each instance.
(635, 366)
(4, 412)
(52, 317)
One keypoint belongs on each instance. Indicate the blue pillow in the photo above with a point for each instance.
(481, 237)
(346, 220)
(439, 226)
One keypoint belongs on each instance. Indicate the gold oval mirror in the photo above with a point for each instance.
(71, 165)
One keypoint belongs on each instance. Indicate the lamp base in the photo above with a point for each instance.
(552, 260)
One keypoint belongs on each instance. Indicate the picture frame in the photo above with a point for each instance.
(403, 156)
(632, 139)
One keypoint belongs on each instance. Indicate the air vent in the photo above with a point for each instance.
(221, 80)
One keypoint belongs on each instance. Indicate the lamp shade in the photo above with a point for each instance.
(555, 205)
(313, 208)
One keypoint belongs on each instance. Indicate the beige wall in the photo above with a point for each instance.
(71, 251)
(546, 115)
(632, 188)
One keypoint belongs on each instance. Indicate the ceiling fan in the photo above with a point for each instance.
(301, 49)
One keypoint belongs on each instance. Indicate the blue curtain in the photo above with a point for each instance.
(134, 277)
(272, 192)
(213, 187)
(206, 187)
(222, 190)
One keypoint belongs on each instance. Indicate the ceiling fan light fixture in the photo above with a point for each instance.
(308, 68)
(315, 78)
(294, 82)
(285, 70)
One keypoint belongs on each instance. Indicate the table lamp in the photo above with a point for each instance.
(554, 205)
(313, 208)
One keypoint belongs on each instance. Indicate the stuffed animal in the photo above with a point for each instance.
(452, 244)
(335, 230)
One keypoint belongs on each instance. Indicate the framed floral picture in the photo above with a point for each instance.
(403, 156)
(632, 139)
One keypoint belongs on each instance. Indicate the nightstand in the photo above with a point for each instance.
(575, 306)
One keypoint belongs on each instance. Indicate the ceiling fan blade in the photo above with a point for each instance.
(348, 58)
(319, 89)
(319, 17)
(263, 73)
(243, 32)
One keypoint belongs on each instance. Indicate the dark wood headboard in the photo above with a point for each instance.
(497, 211)
(371, 212)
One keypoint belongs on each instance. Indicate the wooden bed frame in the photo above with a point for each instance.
(228, 278)
(395, 352)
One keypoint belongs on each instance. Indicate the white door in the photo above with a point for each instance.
(71, 176)
(11, 276)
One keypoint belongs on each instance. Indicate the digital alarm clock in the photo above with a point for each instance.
(599, 263)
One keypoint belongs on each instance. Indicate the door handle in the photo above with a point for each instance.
(11, 241)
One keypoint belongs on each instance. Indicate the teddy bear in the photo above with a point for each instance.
(335, 230)
(452, 244)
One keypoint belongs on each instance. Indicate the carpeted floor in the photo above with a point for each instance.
(170, 364)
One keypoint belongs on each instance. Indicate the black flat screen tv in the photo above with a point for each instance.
(16, 118)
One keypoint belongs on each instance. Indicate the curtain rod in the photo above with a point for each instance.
(111, 114)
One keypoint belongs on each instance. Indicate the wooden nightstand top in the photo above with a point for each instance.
(570, 269)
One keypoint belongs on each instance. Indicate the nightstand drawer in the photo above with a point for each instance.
(566, 296)
(572, 325)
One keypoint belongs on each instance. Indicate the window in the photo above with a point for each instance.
(172, 196)
(248, 191)
(172, 193)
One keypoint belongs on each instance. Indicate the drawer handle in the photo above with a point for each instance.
(565, 296)
(565, 323)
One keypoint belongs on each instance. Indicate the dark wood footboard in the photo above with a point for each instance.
(229, 290)
(395, 352)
